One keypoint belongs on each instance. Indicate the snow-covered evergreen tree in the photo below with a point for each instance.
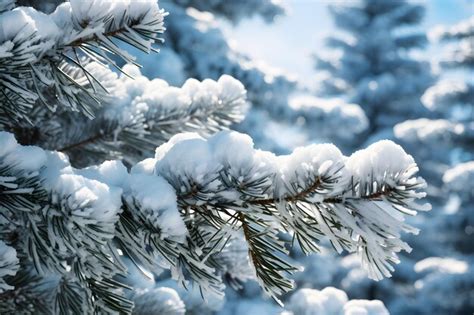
(69, 234)
(375, 69)
(447, 145)
(374, 66)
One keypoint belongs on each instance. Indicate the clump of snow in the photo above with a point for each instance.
(161, 300)
(24, 24)
(236, 153)
(444, 284)
(163, 149)
(328, 301)
(158, 204)
(147, 166)
(306, 164)
(460, 179)
(8, 143)
(440, 131)
(112, 173)
(89, 198)
(324, 118)
(190, 158)
(28, 158)
(193, 299)
(441, 265)
(331, 301)
(155, 96)
(9, 265)
(365, 307)
(447, 94)
(381, 158)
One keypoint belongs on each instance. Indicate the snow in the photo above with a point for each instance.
(364, 307)
(444, 284)
(112, 173)
(441, 265)
(236, 152)
(460, 178)
(447, 94)
(191, 157)
(460, 30)
(199, 48)
(7, 143)
(193, 165)
(155, 93)
(427, 130)
(324, 117)
(305, 164)
(158, 204)
(332, 301)
(70, 21)
(155, 102)
(381, 158)
(147, 166)
(9, 265)
(160, 300)
(192, 298)
(6, 5)
(26, 25)
(29, 158)
(89, 198)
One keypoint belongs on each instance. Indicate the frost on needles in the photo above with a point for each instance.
(68, 233)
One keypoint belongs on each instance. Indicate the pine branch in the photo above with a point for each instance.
(266, 251)
(155, 112)
(36, 66)
(323, 198)
(206, 193)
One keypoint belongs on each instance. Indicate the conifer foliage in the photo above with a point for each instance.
(67, 232)
(374, 67)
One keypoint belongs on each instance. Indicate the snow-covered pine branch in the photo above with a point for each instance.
(136, 115)
(449, 95)
(39, 53)
(461, 30)
(430, 139)
(454, 98)
(324, 118)
(81, 221)
(204, 51)
(462, 34)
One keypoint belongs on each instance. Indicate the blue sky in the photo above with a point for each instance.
(289, 42)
